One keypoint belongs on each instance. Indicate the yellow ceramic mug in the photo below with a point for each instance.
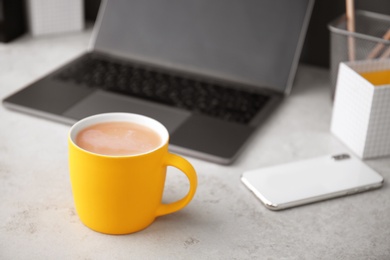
(122, 194)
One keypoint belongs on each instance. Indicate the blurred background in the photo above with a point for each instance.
(16, 19)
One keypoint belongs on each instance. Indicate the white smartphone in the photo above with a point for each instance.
(298, 183)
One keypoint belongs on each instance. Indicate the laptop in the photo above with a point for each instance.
(210, 71)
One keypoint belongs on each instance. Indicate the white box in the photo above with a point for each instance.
(361, 112)
(55, 16)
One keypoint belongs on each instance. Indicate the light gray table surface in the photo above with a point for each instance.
(224, 220)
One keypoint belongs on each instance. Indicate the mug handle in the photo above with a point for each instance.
(184, 166)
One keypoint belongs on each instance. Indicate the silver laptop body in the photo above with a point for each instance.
(243, 45)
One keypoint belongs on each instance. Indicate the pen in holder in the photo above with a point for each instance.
(361, 112)
(366, 37)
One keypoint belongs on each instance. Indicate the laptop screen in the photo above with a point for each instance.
(255, 42)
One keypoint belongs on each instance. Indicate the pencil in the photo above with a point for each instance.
(379, 47)
(386, 54)
(350, 12)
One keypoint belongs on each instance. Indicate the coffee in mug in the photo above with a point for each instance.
(118, 138)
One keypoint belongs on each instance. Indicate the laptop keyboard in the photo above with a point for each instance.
(203, 97)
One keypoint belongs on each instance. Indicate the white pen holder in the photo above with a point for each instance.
(55, 16)
(361, 112)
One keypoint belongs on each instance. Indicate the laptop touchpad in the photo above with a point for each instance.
(104, 102)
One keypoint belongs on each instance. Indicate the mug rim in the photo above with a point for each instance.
(111, 117)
